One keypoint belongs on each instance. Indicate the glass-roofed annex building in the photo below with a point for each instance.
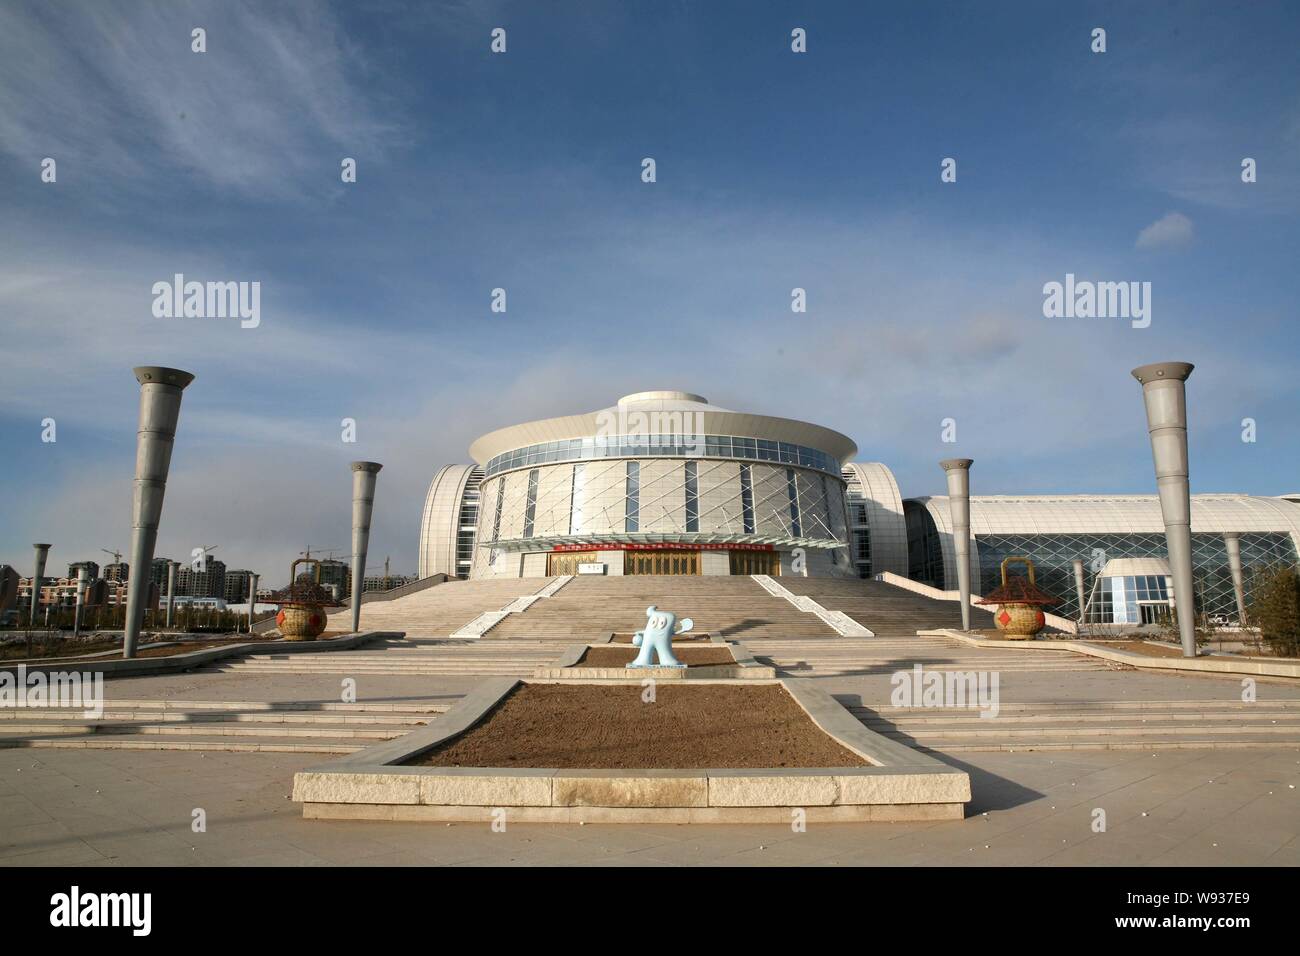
(665, 483)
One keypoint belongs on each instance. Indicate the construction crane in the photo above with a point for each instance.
(204, 550)
(117, 555)
(330, 552)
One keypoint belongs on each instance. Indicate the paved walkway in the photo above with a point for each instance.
(122, 808)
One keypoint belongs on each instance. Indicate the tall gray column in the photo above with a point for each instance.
(1232, 544)
(160, 410)
(958, 472)
(1078, 586)
(42, 553)
(81, 600)
(1164, 391)
(171, 592)
(363, 503)
(252, 600)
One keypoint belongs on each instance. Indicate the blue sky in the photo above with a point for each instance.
(522, 170)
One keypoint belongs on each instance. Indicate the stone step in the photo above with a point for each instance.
(91, 727)
(1114, 705)
(938, 717)
(1152, 743)
(1152, 729)
(163, 704)
(227, 745)
(27, 715)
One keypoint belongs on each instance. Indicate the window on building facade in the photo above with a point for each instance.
(692, 496)
(792, 487)
(632, 514)
(747, 499)
(530, 506)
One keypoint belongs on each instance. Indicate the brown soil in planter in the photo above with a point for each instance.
(604, 726)
(608, 655)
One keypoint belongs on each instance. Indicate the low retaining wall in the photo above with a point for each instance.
(1204, 665)
(1063, 624)
(373, 784)
(141, 666)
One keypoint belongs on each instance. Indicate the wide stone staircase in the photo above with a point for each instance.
(440, 610)
(887, 610)
(424, 657)
(1093, 725)
(217, 725)
(872, 656)
(589, 607)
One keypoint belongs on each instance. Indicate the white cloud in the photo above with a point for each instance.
(1171, 229)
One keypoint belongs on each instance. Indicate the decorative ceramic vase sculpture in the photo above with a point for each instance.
(302, 604)
(656, 641)
(1021, 602)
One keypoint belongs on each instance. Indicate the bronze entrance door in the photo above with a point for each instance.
(661, 562)
(566, 562)
(756, 562)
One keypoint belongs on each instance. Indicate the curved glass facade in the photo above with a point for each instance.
(667, 446)
(1054, 554)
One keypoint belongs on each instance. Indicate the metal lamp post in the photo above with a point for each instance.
(363, 503)
(160, 410)
(1164, 392)
(958, 473)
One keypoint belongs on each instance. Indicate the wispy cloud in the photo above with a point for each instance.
(114, 86)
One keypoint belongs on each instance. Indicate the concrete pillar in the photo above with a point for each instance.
(171, 592)
(1078, 586)
(42, 553)
(252, 600)
(160, 410)
(958, 472)
(363, 503)
(1232, 544)
(81, 600)
(1164, 391)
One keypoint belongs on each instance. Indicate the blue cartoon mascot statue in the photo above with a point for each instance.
(656, 641)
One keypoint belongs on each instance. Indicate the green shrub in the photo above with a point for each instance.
(1275, 609)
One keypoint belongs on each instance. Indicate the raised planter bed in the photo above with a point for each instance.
(718, 751)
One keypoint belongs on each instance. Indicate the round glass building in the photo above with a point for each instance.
(661, 483)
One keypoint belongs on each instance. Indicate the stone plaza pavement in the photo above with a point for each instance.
(1186, 770)
(1182, 807)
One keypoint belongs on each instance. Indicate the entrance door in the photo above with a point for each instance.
(661, 562)
(566, 562)
(756, 562)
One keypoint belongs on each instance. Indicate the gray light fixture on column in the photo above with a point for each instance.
(252, 600)
(1164, 392)
(81, 601)
(160, 410)
(958, 473)
(363, 503)
(1232, 544)
(171, 592)
(1078, 586)
(42, 553)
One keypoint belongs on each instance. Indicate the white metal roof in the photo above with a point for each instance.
(1135, 567)
(706, 419)
(1114, 514)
